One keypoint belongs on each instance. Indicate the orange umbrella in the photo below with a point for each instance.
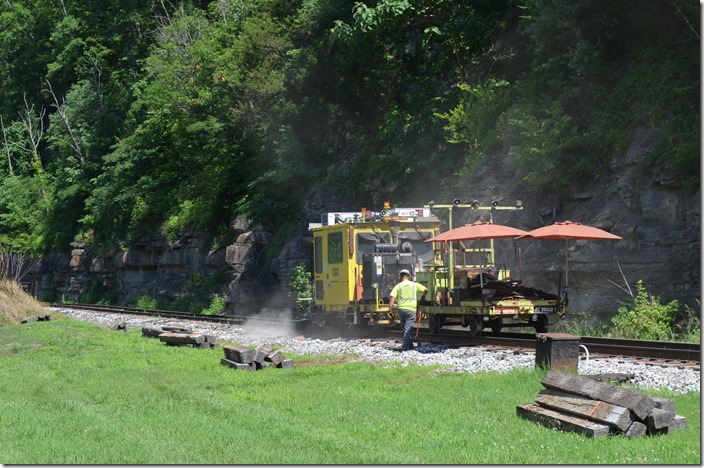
(478, 230)
(569, 230)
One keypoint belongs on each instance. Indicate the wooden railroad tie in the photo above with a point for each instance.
(580, 404)
(37, 318)
(119, 325)
(178, 336)
(253, 359)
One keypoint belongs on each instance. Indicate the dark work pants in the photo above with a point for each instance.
(407, 318)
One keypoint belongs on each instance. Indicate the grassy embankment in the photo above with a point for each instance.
(77, 393)
(15, 304)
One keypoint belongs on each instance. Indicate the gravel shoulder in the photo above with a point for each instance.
(678, 380)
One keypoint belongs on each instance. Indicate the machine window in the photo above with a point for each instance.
(335, 247)
(366, 242)
(318, 254)
(319, 290)
(417, 239)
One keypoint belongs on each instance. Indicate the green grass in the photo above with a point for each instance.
(76, 393)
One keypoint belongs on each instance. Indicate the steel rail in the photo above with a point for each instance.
(227, 319)
(597, 346)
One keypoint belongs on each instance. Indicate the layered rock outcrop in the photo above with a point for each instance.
(658, 219)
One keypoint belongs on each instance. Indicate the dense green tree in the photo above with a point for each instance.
(415, 53)
(121, 119)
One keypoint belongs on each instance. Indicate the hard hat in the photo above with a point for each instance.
(404, 272)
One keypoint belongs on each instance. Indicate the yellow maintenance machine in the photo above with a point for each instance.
(357, 257)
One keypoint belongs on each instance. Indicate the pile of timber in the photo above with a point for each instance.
(499, 290)
(574, 403)
(253, 359)
(37, 318)
(179, 336)
(119, 325)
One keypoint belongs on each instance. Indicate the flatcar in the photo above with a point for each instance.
(357, 257)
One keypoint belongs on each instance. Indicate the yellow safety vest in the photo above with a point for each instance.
(405, 293)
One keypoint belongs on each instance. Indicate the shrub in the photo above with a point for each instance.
(300, 289)
(646, 318)
(689, 329)
(217, 305)
(145, 302)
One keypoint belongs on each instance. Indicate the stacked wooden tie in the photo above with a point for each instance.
(179, 336)
(119, 325)
(37, 318)
(579, 404)
(243, 358)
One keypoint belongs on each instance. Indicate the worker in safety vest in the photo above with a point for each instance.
(404, 296)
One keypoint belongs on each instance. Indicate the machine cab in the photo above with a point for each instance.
(356, 255)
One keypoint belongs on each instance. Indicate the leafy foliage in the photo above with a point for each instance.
(217, 305)
(124, 120)
(25, 203)
(301, 289)
(646, 318)
(689, 327)
(145, 302)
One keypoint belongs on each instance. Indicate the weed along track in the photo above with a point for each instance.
(488, 353)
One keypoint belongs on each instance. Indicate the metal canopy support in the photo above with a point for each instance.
(473, 206)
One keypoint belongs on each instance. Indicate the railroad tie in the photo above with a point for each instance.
(580, 404)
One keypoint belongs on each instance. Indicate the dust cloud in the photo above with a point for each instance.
(271, 321)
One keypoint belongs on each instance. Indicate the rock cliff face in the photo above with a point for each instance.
(191, 267)
(658, 220)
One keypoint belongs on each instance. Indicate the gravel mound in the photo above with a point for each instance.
(452, 359)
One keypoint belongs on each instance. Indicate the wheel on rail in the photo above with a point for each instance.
(540, 324)
(476, 325)
(496, 325)
(363, 319)
(435, 323)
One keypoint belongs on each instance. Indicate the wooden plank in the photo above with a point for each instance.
(118, 325)
(37, 318)
(664, 403)
(285, 364)
(637, 429)
(564, 422)
(227, 362)
(260, 353)
(659, 418)
(239, 354)
(595, 410)
(236, 365)
(612, 377)
(678, 422)
(275, 357)
(175, 329)
(211, 341)
(640, 403)
(152, 331)
(182, 338)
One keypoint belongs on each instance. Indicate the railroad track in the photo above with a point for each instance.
(648, 352)
(227, 319)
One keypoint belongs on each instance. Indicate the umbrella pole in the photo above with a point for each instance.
(566, 264)
(520, 261)
(481, 266)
